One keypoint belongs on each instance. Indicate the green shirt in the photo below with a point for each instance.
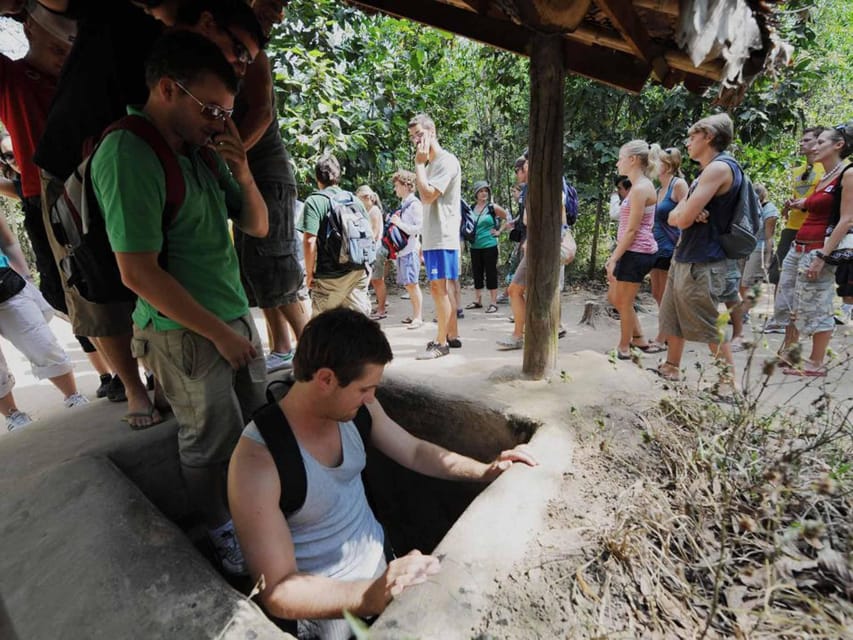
(486, 223)
(315, 220)
(130, 187)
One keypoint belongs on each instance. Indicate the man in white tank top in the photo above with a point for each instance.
(326, 557)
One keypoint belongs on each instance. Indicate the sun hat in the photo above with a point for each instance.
(481, 184)
(55, 24)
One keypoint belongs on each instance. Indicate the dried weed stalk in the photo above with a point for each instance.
(742, 527)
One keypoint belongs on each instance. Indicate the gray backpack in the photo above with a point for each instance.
(741, 232)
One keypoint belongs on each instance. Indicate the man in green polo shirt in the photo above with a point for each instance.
(191, 323)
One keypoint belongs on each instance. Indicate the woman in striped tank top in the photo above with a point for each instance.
(636, 248)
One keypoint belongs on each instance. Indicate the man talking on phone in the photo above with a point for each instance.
(191, 322)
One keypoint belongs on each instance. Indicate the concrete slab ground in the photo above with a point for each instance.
(82, 539)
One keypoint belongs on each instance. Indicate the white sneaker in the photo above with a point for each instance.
(17, 419)
(277, 361)
(229, 553)
(75, 400)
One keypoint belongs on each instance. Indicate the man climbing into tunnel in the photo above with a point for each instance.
(324, 552)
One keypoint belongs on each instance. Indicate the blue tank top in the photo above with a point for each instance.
(700, 242)
(665, 234)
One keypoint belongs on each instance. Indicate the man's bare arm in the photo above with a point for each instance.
(716, 178)
(142, 274)
(257, 89)
(254, 217)
(254, 491)
(309, 250)
(428, 194)
(432, 460)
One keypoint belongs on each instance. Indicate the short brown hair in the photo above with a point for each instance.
(405, 178)
(719, 126)
(424, 120)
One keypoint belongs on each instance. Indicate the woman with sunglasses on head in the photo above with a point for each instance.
(636, 246)
(804, 298)
(673, 189)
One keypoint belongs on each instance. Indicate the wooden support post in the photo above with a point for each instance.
(544, 200)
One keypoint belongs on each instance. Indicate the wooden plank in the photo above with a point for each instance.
(675, 59)
(558, 14)
(544, 213)
(627, 22)
(614, 68)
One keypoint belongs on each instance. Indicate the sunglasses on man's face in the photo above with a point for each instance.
(7, 157)
(240, 51)
(209, 110)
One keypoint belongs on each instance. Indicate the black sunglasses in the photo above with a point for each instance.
(240, 51)
(7, 157)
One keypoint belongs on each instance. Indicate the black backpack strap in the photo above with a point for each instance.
(835, 217)
(281, 443)
(364, 423)
(174, 179)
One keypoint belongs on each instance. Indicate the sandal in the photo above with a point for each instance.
(651, 347)
(474, 305)
(493, 308)
(667, 375)
(622, 356)
(377, 315)
(407, 320)
(133, 415)
(809, 373)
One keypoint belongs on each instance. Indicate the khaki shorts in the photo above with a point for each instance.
(210, 400)
(754, 271)
(807, 303)
(689, 306)
(349, 291)
(89, 319)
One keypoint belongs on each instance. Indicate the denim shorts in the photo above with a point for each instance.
(408, 268)
(442, 264)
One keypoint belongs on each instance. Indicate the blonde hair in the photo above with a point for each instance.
(669, 158)
(642, 150)
(424, 120)
(405, 178)
(719, 126)
(369, 193)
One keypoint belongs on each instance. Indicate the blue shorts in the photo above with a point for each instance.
(442, 264)
(408, 268)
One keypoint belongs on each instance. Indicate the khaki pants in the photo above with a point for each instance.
(348, 291)
(211, 401)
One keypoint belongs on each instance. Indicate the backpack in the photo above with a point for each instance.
(394, 239)
(349, 236)
(570, 201)
(78, 223)
(284, 449)
(739, 236)
(467, 224)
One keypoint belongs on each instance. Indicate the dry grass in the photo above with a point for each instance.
(741, 525)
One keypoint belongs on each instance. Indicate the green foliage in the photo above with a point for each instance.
(348, 82)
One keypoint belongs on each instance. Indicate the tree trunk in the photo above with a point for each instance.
(544, 214)
(599, 214)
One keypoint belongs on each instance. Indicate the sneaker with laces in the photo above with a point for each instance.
(433, 350)
(116, 392)
(509, 343)
(104, 388)
(17, 419)
(228, 551)
(75, 400)
(277, 360)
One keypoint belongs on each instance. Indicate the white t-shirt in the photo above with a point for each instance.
(443, 217)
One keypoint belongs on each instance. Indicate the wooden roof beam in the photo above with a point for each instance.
(675, 59)
(614, 68)
(624, 18)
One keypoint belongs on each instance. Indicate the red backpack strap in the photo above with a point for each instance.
(175, 188)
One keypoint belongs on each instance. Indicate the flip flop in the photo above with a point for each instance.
(809, 373)
(406, 321)
(493, 308)
(142, 414)
(622, 356)
(669, 377)
(651, 347)
(378, 316)
(474, 305)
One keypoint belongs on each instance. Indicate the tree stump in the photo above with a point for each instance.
(592, 312)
